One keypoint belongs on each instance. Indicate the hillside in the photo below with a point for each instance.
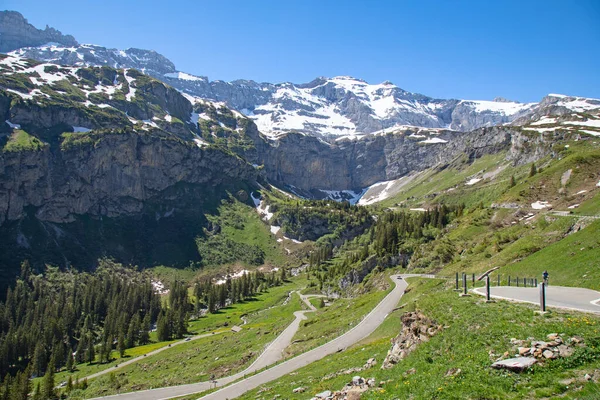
(165, 233)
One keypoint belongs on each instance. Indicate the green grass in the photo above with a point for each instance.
(434, 182)
(197, 360)
(253, 231)
(572, 261)
(169, 274)
(474, 334)
(330, 322)
(20, 140)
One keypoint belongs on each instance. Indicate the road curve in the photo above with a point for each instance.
(271, 354)
(359, 332)
(571, 298)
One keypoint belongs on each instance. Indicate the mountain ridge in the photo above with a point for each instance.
(330, 108)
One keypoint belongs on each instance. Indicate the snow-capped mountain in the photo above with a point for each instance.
(89, 55)
(329, 108)
(349, 107)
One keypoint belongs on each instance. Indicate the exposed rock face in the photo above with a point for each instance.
(307, 163)
(111, 177)
(114, 167)
(416, 328)
(16, 32)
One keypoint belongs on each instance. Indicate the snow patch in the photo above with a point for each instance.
(200, 143)
(433, 140)
(275, 229)
(159, 287)
(184, 76)
(344, 195)
(130, 81)
(540, 205)
(473, 181)
(14, 126)
(80, 129)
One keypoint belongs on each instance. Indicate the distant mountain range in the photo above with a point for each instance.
(329, 108)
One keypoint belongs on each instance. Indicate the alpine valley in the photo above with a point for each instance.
(112, 157)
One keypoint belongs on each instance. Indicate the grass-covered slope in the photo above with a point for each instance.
(474, 334)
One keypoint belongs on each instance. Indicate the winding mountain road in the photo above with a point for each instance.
(273, 353)
(571, 298)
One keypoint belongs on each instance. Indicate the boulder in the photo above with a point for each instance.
(517, 364)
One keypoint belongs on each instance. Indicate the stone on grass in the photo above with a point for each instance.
(517, 364)
(323, 395)
(548, 354)
(299, 390)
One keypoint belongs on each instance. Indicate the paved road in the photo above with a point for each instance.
(556, 296)
(359, 332)
(272, 353)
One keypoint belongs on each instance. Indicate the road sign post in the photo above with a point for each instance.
(457, 281)
(543, 297)
(487, 288)
(464, 284)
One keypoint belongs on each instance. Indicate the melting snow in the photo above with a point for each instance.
(382, 192)
(80, 129)
(540, 205)
(595, 123)
(418, 209)
(201, 143)
(275, 229)
(184, 76)
(168, 118)
(581, 192)
(159, 287)
(232, 276)
(573, 206)
(262, 208)
(130, 81)
(433, 140)
(507, 108)
(14, 126)
(544, 121)
(473, 181)
(344, 195)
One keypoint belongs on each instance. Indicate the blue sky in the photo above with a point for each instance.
(520, 50)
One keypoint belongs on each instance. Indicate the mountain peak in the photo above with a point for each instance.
(17, 32)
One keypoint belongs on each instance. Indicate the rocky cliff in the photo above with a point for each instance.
(16, 32)
(104, 162)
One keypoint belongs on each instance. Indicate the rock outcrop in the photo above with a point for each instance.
(416, 328)
(16, 32)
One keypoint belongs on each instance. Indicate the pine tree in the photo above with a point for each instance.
(69, 384)
(90, 353)
(49, 392)
(37, 395)
(70, 361)
(512, 181)
(121, 344)
(39, 359)
(533, 170)
(145, 329)
(162, 328)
